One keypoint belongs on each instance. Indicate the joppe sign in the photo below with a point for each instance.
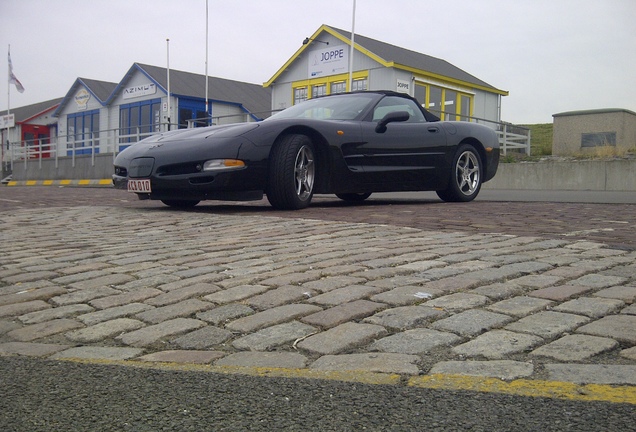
(329, 61)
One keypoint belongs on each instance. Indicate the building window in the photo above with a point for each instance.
(83, 132)
(300, 95)
(138, 120)
(330, 85)
(338, 87)
(318, 90)
(601, 139)
(435, 100)
(420, 94)
(464, 107)
(359, 84)
(450, 105)
(455, 105)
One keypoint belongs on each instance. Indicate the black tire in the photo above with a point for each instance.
(180, 203)
(465, 176)
(354, 197)
(292, 173)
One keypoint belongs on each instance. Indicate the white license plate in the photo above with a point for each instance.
(139, 186)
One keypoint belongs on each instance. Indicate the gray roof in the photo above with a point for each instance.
(100, 89)
(405, 57)
(253, 97)
(30, 111)
(594, 111)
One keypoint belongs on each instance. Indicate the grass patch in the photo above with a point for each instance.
(540, 145)
(541, 139)
(605, 152)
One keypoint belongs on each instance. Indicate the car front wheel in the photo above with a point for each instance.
(292, 173)
(465, 176)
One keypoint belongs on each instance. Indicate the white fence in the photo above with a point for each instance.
(511, 137)
(91, 143)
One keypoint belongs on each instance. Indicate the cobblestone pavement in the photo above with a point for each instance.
(539, 291)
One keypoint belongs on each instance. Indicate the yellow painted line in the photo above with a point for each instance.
(529, 388)
(521, 387)
(67, 182)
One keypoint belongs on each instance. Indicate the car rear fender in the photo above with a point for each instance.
(489, 158)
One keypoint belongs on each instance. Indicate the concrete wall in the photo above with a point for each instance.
(611, 175)
(83, 168)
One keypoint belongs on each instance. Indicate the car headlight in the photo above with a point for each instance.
(223, 164)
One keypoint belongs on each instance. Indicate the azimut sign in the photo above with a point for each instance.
(139, 91)
(329, 61)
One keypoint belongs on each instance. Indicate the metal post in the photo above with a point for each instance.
(207, 114)
(351, 50)
(505, 138)
(168, 77)
(57, 148)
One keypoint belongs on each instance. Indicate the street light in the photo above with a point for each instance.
(306, 41)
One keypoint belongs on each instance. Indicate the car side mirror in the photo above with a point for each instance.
(395, 116)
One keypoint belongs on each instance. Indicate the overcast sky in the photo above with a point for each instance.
(551, 55)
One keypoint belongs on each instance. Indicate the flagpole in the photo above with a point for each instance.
(168, 76)
(353, 26)
(8, 87)
(8, 107)
(207, 19)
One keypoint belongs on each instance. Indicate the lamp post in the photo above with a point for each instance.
(353, 27)
(207, 114)
(168, 77)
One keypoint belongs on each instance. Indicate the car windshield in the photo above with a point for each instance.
(341, 107)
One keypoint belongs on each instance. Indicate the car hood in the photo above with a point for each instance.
(224, 131)
(188, 141)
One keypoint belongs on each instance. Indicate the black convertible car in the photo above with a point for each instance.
(350, 145)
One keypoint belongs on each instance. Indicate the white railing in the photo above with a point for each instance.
(91, 143)
(511, 137)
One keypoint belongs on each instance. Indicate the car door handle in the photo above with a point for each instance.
(432, 129)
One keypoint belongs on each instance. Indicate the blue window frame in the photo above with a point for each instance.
(83, 132)
(191, 110)
(138, 120)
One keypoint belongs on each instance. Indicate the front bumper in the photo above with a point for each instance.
(247, 184)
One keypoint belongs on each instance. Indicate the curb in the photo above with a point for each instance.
(98, 182)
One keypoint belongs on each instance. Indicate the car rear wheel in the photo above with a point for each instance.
(354, 197)
(292, 173)
(465, 176)
(180, 203)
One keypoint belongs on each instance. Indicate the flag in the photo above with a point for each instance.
(13, 79)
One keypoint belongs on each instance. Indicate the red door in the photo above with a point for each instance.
(37, 139)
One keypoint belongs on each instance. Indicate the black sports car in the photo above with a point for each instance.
(349, 144)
